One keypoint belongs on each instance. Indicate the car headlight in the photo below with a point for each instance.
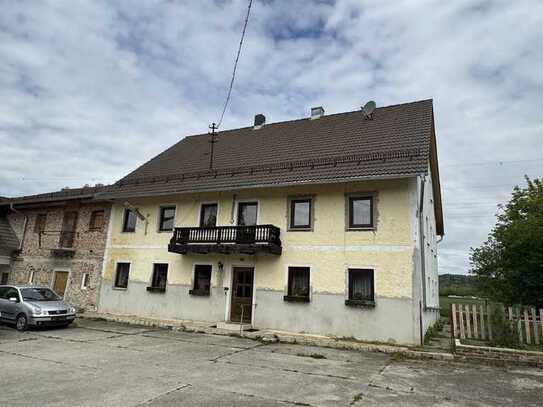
(37, 311)
(71, 310)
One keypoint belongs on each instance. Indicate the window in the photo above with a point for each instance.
(11, 293)
(300, 214)
(361, 289)
(96, 220)
(85, 281)
(159, 278)
(360, 212)
(202, 280)
(208, 215)
(5, 277)
(247, 213)
(129, 221)
(39, 226)
(167, 217)
(121, 277)
(31, 277)
(298, 284)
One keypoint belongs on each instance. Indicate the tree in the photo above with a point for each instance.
(509, 265)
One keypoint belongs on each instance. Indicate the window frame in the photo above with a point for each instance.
(38, 227)
(365, 302)
(92, 220)
(161, 211)
(349, 199)
(126, 213)
(201, 217)
(291, 211)
(85, 281)
(155, 288)
(199, 291)
(115, 281)
(289, 297)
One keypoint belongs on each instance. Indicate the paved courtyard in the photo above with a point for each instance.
(106, 364)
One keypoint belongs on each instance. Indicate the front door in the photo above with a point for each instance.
(59, 285)
(242, 294)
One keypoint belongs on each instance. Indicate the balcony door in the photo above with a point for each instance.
(247, 216)
(67, 234)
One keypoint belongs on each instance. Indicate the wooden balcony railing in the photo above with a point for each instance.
(226, 239)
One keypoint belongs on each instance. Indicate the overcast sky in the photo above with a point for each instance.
(90, 90)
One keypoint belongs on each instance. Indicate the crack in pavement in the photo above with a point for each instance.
(236, 352)
(199, 342)
(58, 362)
(350, 378)
(183, 386)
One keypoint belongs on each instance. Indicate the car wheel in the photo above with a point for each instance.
(21, 323)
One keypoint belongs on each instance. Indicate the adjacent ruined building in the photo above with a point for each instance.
(56, 240)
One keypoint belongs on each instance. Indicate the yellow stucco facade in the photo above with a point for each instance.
(328, 248)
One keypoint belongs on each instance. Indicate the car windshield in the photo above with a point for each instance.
(39, 294)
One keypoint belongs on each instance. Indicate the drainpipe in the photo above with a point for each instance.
(422, 305)
(11, 207)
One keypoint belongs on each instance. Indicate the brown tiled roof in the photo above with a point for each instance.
(62, 195)
(334, 148)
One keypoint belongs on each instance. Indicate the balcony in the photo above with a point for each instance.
(226, 240)
(65, 245)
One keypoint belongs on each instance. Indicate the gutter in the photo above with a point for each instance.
(422, 304)
(11, 207)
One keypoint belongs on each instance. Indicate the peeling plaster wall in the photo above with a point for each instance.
(89, 248)
(329, 250)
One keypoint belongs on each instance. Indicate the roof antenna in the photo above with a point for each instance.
(368, 109)
(212, 141)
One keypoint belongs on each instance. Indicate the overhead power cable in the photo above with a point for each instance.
(235, 64)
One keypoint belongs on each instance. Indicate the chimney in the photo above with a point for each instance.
(260, 120)
(317, 112)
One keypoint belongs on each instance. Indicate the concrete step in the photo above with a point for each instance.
(233, 326)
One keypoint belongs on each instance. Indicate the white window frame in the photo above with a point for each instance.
(85, 278)
(160, 207)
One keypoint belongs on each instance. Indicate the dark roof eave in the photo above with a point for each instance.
(120, 195)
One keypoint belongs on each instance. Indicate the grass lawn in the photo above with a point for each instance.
(445, 303)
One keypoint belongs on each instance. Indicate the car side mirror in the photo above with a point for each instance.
(13, 299)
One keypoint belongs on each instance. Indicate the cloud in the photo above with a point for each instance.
(91, 90)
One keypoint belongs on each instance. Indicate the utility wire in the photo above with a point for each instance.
(235, 64)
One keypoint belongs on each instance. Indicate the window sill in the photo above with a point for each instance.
(360, 303)
(120, 288)
(361, 229)
(156, 290)
(199, 293)
(308, 229)
(293, 298)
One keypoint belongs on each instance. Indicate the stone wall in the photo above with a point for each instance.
(37, 259)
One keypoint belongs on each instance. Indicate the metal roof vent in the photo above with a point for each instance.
(260, 120)
(317, 112)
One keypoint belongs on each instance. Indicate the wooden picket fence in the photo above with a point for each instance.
(472, 321)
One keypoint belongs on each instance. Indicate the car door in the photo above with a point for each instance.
(2, 311)
(8, 308)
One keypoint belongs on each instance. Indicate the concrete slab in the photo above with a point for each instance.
(110, 364)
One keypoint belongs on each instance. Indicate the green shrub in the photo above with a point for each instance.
(503, 333)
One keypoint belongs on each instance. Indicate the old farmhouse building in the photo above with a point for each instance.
(57, 240)
(324, 225)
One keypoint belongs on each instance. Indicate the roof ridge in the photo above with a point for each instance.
(308, 118)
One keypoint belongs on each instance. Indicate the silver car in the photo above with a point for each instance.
(26, 305)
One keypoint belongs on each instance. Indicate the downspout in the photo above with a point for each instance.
(422, 304)
(11, 207)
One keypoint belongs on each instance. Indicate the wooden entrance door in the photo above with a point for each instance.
(242, 294)
(59, 285)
